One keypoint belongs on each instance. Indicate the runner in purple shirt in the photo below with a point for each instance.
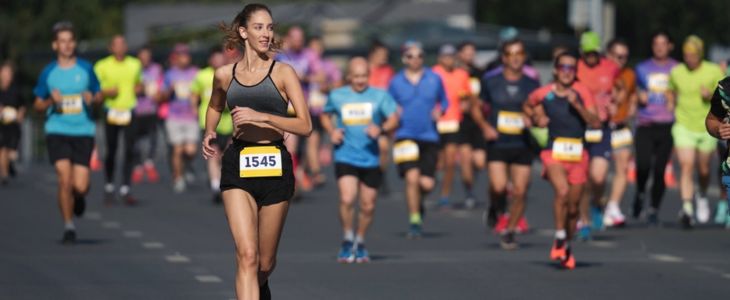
(146, 112)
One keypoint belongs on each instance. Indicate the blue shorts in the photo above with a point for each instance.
(603, 148)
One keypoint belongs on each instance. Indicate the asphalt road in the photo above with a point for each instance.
(179, 247)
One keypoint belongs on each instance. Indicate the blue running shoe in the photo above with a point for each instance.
(361, 254)
(414, 231)
(584, 233)
(443, 203)
(596, 218)
(346, 254)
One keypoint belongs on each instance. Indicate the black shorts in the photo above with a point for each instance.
(146, 125)
(428, 153)
(371, 177)
(517, 156)
(450, 138)
(9, 136)
(75, 148)
(265, 190)
(316, 123)
(470, 133)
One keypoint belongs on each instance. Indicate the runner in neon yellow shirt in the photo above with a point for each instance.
(120, 77)
(201, 90)
(693, 82)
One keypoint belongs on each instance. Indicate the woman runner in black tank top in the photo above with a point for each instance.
(257, 177)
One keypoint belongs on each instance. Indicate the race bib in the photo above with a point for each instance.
(510, 122)
(9, 115)
(72, 104)
(658, 82)
(594, 135)
(182, 90)
(405, 151)
(290, 110)
(317, 100)
(119, 117)
(447, 126)
(151, 89)
(475, 85)
(621, 138)
(567, 149)
(357, 113)
(260, 161)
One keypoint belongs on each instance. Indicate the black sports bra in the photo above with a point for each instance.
(262, 97)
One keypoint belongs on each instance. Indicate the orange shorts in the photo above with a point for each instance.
(577, 171)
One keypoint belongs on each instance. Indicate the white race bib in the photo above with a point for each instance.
(151, 89)
(260, 161)
(621, 138)
(594, 135)
(119, 117)
(182, 90)
(357, 113)
(567, 149)
(72, 104)
(9, 115)
(405, 151)
(475, 85)
(447, 126)
(658, 82)
(317, 100)
(510, 122)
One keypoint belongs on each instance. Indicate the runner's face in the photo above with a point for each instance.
(619, 54)
(65, 43)
(661, 47)
(692, 60)
(216, 60)
(316, 46)
(358, 75)
(379, 56)
(259, 31)
(591, 58)
(295, 39)
(118, 46)
(467, 54)
(447, 61)
(182, 60)
(565, 70)
(513, 57)
(145, 57)
(413, 58)
(6, 75)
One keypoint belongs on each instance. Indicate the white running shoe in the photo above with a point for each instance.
(703, 210)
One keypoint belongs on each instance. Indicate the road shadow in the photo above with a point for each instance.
(556, 266)
(86, 242)
(424, 235)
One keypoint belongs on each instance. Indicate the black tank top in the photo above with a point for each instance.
(262, 97)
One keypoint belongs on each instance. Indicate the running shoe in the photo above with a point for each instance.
(703, 209)
(502, 224)
(69, 237)
(414, 231)
(638, 206)
(596, 218)
(652, 217)
(613, 217)
(264, 291)
(721, 213)
(569, 261)
(217, 198)
(491, 216)
(152, 175)
(470, 202)
(346, 254)
(189, 176)
(11, 169)
(179, 186)
(522, 225)
(669, 178)
(137, 175)
(557, 252)
(443, 203)
(685, 220)
(361, 254)
(508, 242)
(584, 233)
(79, 205)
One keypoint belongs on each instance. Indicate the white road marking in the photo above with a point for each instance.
(153, 245)
(132, 234)
(545, 232)
(208, 278)
(603, 244)
(666, 258)
(92, 215)
(111, 225)
(177, 258)
(708, 269)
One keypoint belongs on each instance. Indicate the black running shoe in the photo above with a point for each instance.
(69, 237)
(685, 220)
(79, 205)
(264, 291)
(652, 217)
(638, 206)
(508, 241)
(491, 216)
(11, 169)
(217, 198)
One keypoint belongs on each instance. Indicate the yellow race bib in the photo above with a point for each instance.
(260, 161)
(510, 122)
(182, 90)
(357, 113)
(658, 82)
(9, 115)
(119, 117)
(447, 126)
(72, 104)
(621, 138)
(317, 100)
(594, 135)
(405, 151)
(567, 149)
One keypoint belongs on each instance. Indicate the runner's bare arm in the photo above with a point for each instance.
(215, 108)
(716, 127)
(476, 113)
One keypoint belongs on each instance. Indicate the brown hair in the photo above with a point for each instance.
(61, 27)
(233, 39)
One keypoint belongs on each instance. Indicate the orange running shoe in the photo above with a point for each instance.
(558, 253)
(137, 175)
(502, 223)
(569, 262)
(631, 172)
(152, 175)
(522, 226)
(669, 178)
(95, 163)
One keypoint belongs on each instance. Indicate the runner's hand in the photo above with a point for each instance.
(373, 131)
(436, 113)
(724, 131)
(243, 115)
(643, 97)
(572, 97)
(208, 150)
(527, 121)
(111, 92)
(88, 97)
(490, 134)
(56, 96)
(337, 136)
(706, 93)
(542, 121)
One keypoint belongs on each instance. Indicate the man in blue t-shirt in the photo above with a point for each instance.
(362, 115)
(422, 98)
(65, 92)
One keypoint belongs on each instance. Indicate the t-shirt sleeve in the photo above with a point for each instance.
(640, 78)
(442, 95)
(387, 105)
(41, 89)
(483, 92)
(586, 96)
(330, 107)
(392, 91)
(538, 95)
(94, 85)
(196, 87)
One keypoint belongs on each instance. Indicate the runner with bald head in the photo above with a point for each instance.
(362, 114)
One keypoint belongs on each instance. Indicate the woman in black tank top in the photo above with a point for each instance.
(257, 176)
